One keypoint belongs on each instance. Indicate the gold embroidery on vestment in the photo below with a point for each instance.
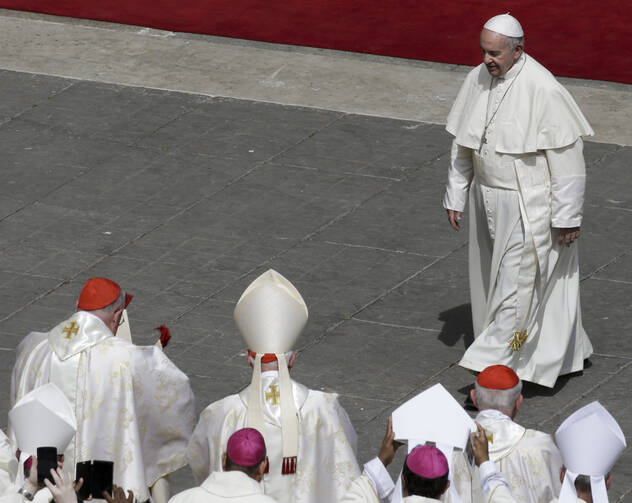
(274, 394)
(490, 437)
(518, 340)
(70, 330)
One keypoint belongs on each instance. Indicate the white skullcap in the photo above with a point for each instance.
(505, 25)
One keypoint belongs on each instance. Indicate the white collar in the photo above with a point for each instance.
(492, 414)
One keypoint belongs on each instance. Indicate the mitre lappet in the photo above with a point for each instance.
(270, 315)
(590, 441)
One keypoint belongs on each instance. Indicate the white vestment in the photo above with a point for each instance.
(233, 486)
(362, 490)
(8, 464)
(326, 461)
(133, 405)
(528, 459)
(517, 152)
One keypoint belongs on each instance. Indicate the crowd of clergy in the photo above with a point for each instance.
(95, 416)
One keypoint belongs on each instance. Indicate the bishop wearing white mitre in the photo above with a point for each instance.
(133, 405)
(311, 442)
(517, 153)
(591, 442)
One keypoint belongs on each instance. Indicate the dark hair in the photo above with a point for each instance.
(251, 471)
(421, 486)
(582, 484)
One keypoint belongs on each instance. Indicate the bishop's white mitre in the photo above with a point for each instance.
(270, 315)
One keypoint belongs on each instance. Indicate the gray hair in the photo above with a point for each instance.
(503, 400)
(514, 42)
(119, 303)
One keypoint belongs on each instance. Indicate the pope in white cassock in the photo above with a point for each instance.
(517, 154)
(132, 404)
(527, 458)
(310, 440)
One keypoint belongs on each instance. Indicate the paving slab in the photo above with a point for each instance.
(185, 199)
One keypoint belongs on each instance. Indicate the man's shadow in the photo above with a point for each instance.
(457, 324)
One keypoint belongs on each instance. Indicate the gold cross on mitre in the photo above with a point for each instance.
(490, 437)
(70, 330)
(274, 394)
(518, 340)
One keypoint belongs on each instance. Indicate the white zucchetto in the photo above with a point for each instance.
(505, 25)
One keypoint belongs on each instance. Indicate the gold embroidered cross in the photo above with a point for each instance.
(70, 330)
(274, 394)
(517, 340)
(490, 437)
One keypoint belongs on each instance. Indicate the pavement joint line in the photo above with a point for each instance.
(616, 208)
(352, 173)
(578, 399)
(395, 325)
(388, 250)
(618, 357)
(622, 497)
(604, 266)
(425, 382)
(613, 280)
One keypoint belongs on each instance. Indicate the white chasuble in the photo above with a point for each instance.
(133, 405)
(8, 464)
(326, 461)
(528, 459)
(518, 155)
(230, 487)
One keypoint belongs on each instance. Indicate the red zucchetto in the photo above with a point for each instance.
(497, 377)
(98, 293)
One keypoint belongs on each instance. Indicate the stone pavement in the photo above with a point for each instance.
(184, 199)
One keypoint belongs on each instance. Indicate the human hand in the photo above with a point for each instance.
(118, 495)
(480, 445)
(568, 235)
(389, 444)
(165, 335)
(63, 490)
(454, 217)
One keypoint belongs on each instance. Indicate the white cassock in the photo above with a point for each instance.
(233, 487)
(133, 405)
(525, 175)
(326, 462)
(528, 459)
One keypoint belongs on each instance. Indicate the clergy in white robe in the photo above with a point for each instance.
(517, 155)
(310, 440)
(326, 448)
(424, 479)
(132, 404)
(244, 462)
(527, 458)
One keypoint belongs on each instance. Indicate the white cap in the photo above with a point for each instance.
(590, 441)
(433, 416)
(270, 315)
(43, 418)
(505, 25)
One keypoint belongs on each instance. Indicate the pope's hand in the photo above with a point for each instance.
(568, 235)
(480, 445)
(389, 444)
(454, 217)
(64, 489)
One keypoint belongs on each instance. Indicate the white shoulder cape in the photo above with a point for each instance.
(537, 113)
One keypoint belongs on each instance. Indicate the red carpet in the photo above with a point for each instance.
(589, 39)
